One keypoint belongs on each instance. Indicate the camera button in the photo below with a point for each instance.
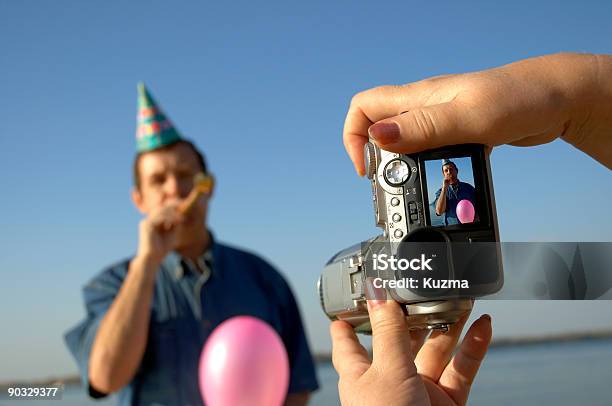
(398, 233)
(369, 152)
(395, 201)
(396, 172)
(413, 212)
(412, 207)
(397, 217)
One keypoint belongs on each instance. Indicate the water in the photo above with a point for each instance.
(577, 373)
(574, 373)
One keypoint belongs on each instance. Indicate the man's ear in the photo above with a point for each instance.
(138, 200)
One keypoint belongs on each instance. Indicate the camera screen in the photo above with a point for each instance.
(451, 191)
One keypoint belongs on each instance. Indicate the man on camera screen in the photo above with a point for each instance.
(451, 193)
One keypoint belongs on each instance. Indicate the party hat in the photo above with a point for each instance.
(154, 129)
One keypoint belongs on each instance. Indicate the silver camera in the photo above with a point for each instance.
(440, 244)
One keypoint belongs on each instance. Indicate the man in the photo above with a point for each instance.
(148, 317)
(451, 193)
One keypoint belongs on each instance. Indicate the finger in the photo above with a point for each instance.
(458, 376)
(369, 107)
(390, 337)
(537, 139)
(167, 217)
(169, 239)
(349, 357)
(354, 141)
(166, 222)
(417, 339)
(437, 350)
(157, 221)
(390, 334)
(429, 127)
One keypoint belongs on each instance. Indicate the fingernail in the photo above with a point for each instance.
(486, 316)
(375, 295)
(384, 133)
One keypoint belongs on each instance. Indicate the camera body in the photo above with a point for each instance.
(439, 249)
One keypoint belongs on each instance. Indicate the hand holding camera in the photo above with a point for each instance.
(406, 368)
(526, 103)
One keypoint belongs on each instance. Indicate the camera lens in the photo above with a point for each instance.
(396, 172)
(431, 246)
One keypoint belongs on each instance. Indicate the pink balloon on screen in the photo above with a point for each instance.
(465, 211)
(243, 363)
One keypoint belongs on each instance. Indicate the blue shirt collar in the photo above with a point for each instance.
(179, 266)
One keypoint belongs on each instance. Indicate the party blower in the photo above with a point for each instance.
(202, 184)
(439, 249)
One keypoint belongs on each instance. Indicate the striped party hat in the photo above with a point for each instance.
(154, 129)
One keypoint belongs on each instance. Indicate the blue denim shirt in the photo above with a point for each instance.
(453, 197)
(187, 306)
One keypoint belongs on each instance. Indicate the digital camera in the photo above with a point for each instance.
(439, 248)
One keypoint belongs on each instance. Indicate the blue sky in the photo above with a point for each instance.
(263, 90)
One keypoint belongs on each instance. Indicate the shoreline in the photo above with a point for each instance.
(74, 380)
(523, 341)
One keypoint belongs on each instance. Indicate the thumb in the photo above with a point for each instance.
(425, 128)
(390, 334)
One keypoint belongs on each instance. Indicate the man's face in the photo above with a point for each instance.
(166, 176)
(450, 173)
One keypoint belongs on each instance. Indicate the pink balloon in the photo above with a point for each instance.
(465, 211)
(244, 362)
